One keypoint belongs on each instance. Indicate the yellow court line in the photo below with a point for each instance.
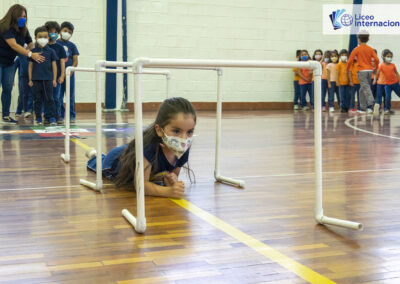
(285, 261)
(290, 264)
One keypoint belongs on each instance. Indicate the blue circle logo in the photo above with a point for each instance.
(346, 20)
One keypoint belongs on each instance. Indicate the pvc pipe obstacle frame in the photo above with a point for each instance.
(141, 63)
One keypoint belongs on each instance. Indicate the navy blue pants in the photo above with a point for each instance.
(42, 91)
(324, 90)
(344, 92)
(25, 100)
(296, 93)
(388, 94)
(353, 90)
(303, 91)
(7, 74)
(331, 94)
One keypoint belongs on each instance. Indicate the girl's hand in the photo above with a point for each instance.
(170, 179)
(37, 57)
(61, 80)
(351, 84)
(177, 190)
(30, 83)
(374, 82)
(329, 85)
(54, 83)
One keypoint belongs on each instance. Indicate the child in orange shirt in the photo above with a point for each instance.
(392, 78)
(332, 75)
(354, 86)
(364, 55)
(324, 77)
(379, 84)
(305, 82)
(296, 84)
(343, 81)
(373, 87)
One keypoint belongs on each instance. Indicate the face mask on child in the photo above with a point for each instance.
(53, 36)
(388, 59)
(334, 59)
(318, 57)
(343, 58)
(65, 35)
(176, 144)
(304, 58)
(42, 41)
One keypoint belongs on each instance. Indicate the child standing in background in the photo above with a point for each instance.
(305, 82)
(54, 29)
(379, 85)
(332, 75)
(364, 54)
(354, 86)
(343, 81)
(67, 29)
(25, 100)
(324, 78)
(42, 76)
(391, 81)
(296, 84)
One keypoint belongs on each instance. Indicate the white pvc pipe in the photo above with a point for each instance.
(89, 184)
(129, 217)
(66, 156)
(139, 176)
(217, 176)
(315, 66)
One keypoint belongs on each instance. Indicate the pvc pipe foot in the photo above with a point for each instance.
(65, 157)
(89, 184)
(230, 181)
(138, 225)
(324, 220)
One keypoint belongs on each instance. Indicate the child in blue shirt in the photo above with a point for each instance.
(54, 29)
(166, 146)
(67, 29)
(42, 76)
(25, 95)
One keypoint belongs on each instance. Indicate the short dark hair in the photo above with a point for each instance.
(343, 51)
(52, 25)
(298, 52)
(363, 37)
(67, 25)
(387, 52)
(40, 30)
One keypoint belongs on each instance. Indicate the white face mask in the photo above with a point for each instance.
(343, 58)
(42, 41)
(65, 36)
(318, 57)
(326, 60)
(176, 144)
(388, 59)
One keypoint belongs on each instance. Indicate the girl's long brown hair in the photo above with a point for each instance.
(168, 110)
(10, 20)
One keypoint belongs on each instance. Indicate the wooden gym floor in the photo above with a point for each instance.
(54, 231)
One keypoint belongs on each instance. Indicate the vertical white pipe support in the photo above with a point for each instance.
(99, 173)
(168, 85)
(139, 171)
(66, 156)
(218, 135)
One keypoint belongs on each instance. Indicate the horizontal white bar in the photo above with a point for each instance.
(117, 64)
(165, 62)
(230, 181)
(341, 223)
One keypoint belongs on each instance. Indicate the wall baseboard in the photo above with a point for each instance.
(153, 106)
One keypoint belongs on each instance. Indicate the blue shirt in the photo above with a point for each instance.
(61, 54)
(44, 70)
(70, 49)
(111, 165)
(7, 54)
(21, 63)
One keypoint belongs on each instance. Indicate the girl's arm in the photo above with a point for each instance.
(302, 76)
(21, 50)
(54, 66)
(349, 74)
(30, 66)
(62, 75)
(175, 191)
(377, 76)
(328, 75)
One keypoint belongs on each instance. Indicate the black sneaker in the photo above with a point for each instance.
(9, 119)
(46, 121)
(60, 121)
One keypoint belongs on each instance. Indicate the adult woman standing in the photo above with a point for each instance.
(13, 36)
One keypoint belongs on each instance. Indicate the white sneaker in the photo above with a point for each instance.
(360, 111)
(27, 114)
(376, 110)
(91, 153)
(331, 109)
(295, 107)
(369, 110)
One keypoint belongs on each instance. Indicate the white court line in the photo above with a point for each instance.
(347, 123)
(48, 187)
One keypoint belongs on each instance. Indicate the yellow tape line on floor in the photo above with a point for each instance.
(290, 264)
